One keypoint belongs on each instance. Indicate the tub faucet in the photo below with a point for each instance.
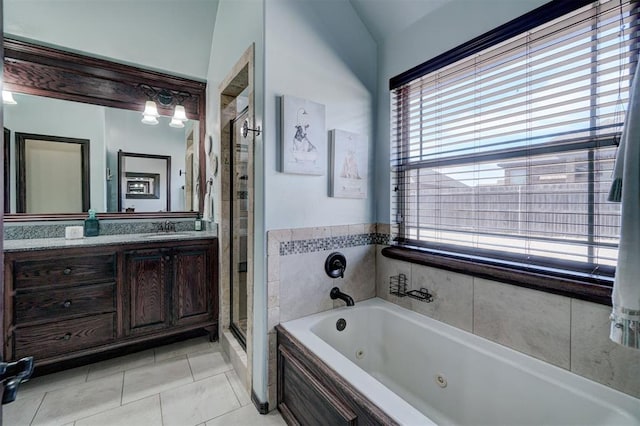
(337, 294)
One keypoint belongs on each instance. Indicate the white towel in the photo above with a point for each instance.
(207, 213)
(625, 318)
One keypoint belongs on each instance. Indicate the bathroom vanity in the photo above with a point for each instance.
(67, 299)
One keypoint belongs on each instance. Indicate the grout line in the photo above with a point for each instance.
(232, 389)
(190, 368)
(473, 305)
(122, 389)
(160, 402)
(570, 332)
(38, 409)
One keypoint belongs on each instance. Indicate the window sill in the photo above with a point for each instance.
(530, 279)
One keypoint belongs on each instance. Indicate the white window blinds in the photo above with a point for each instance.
(507, 154)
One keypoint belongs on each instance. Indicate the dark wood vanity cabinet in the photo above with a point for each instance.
(59, 304)
(167, 287)
(70, 302)
(147, 295)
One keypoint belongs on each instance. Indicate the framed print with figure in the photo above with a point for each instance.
(349, 162)
(303, 146)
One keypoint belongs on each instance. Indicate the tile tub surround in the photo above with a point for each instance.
(570, 333)
(184, 383)
(297, 284)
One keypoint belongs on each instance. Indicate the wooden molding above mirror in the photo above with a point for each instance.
(44, 71)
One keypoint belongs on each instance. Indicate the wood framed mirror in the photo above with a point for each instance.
(55, 74)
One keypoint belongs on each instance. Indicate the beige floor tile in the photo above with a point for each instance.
(155, 378)
(207, 364)
(191, 346)
(122, 363)
(37, 386)
(145, 412)
(248, 415)
(73, 402)
(198, 402)
(238, 388)
(21, 411)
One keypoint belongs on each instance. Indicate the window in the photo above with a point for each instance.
(503, 149)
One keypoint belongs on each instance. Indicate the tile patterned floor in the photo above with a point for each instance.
(188, 383)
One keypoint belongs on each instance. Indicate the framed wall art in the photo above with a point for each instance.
(303, 147)
(349, 163)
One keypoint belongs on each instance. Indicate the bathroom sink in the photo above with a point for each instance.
(165, 235)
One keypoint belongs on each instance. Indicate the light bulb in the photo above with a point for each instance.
(150, 119)
(7, 98)
(150, 109)
(176, 123)
(180, 113)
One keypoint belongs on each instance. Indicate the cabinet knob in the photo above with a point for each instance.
(66, 304)
(66, 336)
(66, 271)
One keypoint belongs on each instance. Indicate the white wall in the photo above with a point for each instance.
(322, 52)
(167, 35)
(52, 117)
(125, 132)
(240, 23)
(447, 27)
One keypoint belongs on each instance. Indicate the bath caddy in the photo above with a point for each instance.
(398, 287)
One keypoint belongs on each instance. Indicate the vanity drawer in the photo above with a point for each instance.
(63, 270)
(62, 337)
(59, 304)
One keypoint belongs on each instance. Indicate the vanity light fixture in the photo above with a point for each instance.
(7, 98)
(166, 98)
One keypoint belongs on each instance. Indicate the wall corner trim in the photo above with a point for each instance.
(263, 407)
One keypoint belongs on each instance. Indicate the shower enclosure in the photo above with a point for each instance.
(239, 214)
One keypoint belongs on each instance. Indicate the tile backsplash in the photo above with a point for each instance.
(20, 231)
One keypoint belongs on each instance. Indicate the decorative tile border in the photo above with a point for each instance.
(331, 243)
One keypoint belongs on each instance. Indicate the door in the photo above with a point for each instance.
(147, 296)
(192, 285)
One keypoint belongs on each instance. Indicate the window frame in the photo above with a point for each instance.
(549, 278)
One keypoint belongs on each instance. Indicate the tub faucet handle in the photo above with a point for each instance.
(335, 265)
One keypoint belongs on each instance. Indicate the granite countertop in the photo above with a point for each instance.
(102, 240)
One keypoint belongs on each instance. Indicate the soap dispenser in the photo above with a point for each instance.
(91, 225)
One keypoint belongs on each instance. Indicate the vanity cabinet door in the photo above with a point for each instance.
(192, 284)
(147, 293)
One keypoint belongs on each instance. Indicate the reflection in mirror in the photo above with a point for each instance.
(108, 131)
(143, 182)
(52, 174)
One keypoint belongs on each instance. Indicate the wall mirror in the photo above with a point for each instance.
(67, 95)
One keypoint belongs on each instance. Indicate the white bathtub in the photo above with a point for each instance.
(421, 371)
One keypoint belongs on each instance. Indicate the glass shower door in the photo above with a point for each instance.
(239, 227)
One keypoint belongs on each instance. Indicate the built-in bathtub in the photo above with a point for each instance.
(421, 371)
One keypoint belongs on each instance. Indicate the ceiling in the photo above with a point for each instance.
(383, 18)
(166, 35)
